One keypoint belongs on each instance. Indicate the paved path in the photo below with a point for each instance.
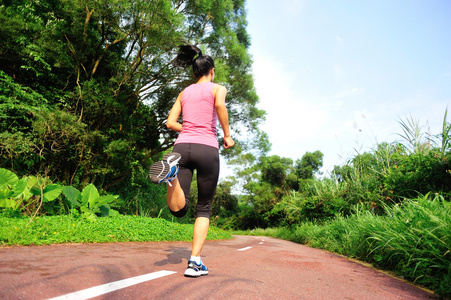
(242, 268)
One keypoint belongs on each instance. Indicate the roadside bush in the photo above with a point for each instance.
(324, 199)
(28, 194)
(33, 195)
(412, 239)
(417, 173)
(321, 207)
(247, 218)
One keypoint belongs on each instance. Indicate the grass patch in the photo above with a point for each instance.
(412, 240)
(15, 230)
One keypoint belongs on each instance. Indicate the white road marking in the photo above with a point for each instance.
(260, 243)
(244, 249)
(112, 286)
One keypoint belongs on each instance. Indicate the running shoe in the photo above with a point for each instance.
(165, 170)
(195, 270)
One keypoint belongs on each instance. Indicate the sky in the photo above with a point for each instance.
(339, 75)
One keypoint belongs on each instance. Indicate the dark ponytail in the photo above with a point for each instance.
(202, 64)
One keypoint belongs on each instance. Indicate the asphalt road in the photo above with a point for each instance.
(242, 268)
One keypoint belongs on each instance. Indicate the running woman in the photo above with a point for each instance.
(196, 148)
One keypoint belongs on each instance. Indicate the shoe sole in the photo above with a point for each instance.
(172, 158)
(160, 169)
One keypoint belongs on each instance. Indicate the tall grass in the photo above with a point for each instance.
(414, 136)
(445, 136)
(412, 239)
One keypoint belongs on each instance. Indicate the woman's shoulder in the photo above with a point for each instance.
(218, 87)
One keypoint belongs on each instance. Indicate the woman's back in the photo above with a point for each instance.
(199, 115)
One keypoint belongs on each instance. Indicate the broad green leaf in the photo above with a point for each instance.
(26, 195)
(104, 210)
(95, 209)
(85, 209)
(51, 192)
(72, 195)
(36, 191)
(6, 203)
(7, 178)
(89, 194)
(113, 213)
(19, 187)
(90, 216)
(5, 193)
(104, 200)
(32, 180)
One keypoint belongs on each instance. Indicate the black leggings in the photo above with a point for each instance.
(204, 159)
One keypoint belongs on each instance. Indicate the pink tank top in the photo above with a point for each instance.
(199, 115)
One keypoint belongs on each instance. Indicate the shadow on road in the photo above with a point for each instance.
(175, 256)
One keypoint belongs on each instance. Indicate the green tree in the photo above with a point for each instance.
(309, 164)
(267, 182)
(275, 170)
(225, 204)
(96, 81)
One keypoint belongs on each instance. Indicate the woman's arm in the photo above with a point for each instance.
(223, 116)
(174, 115)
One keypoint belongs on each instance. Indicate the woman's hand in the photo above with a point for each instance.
(228, 142)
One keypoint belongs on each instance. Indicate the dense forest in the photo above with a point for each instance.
(86, 86)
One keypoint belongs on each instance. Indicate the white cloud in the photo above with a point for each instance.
(290, 115)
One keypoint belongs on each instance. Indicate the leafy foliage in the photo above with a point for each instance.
(86, 86)
(225, 204)
(30, 193)
(267, 181)
(280, 194)
(26, 194)
(417, 173)
(309, 164)
(89, 202)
